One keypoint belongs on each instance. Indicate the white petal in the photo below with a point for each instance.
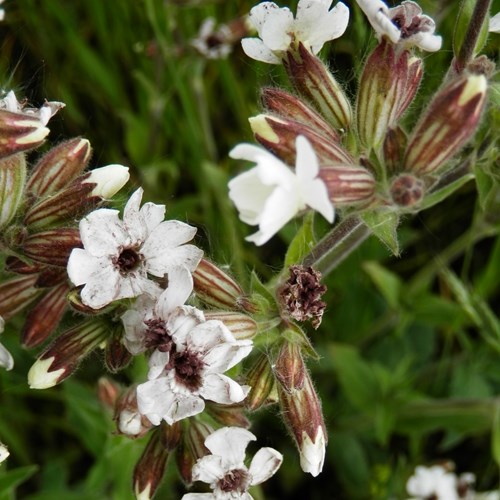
(306, 164)
(154, 399)
(257, 49)
(259, 15)
(169, 234)
(222, 389)
(226, 355)
(6, 359)
(208, 335)
(4, 452)
(197, 496)
(184, 406)
(428, 42)
(180, 286)
(494, 26)
(316, 196)
(208, 469)
(182, 321)
(132, 218)
(312, 453)
(157, 363)
(81, 265)
(133, 324)
(230, 443)
(264, 464)
(378, 15)
(152, 215)
(109, 180)
(275, 30)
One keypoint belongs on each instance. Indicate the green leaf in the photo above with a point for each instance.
(495, 436)
(302, 242)
(388, 284)
(13, 478)
(439, 195)
(384, 226)
(296, 335)
(463, 21)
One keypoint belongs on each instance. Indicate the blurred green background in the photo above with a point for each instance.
(410, 346)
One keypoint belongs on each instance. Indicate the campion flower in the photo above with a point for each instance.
(212, 43)
(271, 194)
(433, 482)
(119, 255)
(313, 25)
(6, 360)
(225, 469)
(494, 26)
(404, 24)
(187, 367)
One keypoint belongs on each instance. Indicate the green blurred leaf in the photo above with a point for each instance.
(11, 479)
(302, 242)
(388, 284)
(495, 435)
(462, 23)
(384, 226)
(441, 194)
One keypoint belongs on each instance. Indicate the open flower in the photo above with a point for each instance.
(314, 24)
(118, 255)
(187, 367)
(271, 194)
(6, 360)
(433, 482)
(404, 24)
(225, 469)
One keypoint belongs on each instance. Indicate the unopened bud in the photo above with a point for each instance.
(448, 123)
(16, 294)
(279, 135)
(107, 392)
(215, 287)
(150, 468)
(108, 180)
(241, 326)
(228, 415)
(394, 148)
(15, 265)
(289, 368)
(128, 419)
(116, 355)
(51, 276)
(301, 410)
(62, 358)
(45, 316)
(12, 182)
(347, 185)
(53, 246)
(20, 132)
(59, 167)
(313, 81)
(288, 106)
(388, 84)
(260, 378)
(407, 190)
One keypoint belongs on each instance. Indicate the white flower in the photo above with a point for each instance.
(145, 323)
(4, 452)
(188, 366)
(271, 194)
(44, 113)
(314, 24)
(119, 255)
(225, 469)
(211, 43)
(495, 23)
(404, 24)
(435, 482)
(6, 360)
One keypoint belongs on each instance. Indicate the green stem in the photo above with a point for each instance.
(338, 244)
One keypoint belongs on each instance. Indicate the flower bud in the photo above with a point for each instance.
(62, 358)
(116, 355)
(388, 84)
(18, 266)
(348, 184)
(129, 421)
(407, 190)
(12, 181)
(16, 294)
(51, 276)
(279, 136)
(228, 415)
(288, 106)
(150, 468)
(45, 316)
(59, 167)
(260, 378)
(216, 288)
(107, 392)
(313, 81)
(53, 246)
(289, 368)
(448, 123)
(301, 412)
(108, 180)
(394, 148)
(241, 326)
(20, 132)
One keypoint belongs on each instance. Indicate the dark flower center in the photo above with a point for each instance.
(188, 367)
(157, 336)
(128, 260)
(235, 480)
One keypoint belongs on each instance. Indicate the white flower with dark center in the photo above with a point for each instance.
(404, 24)
(187, 366)
(271, 194)
(211, 42)
(119, 255)
(314, 24)
(44, 113)
(433, 482)
(145, 323)
(6, 360)
(225, 469)
(494, 26)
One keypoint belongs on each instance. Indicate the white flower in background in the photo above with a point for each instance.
(495, 23)
(108, 180)
(271, 194)
(433, 482)
(118, 255)
(188, 365)
(144, 324)
(212, 43)
(6, 360)
(2, 17)
(4, 452)
(314, 24)
(225, 469)
(404, 24)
